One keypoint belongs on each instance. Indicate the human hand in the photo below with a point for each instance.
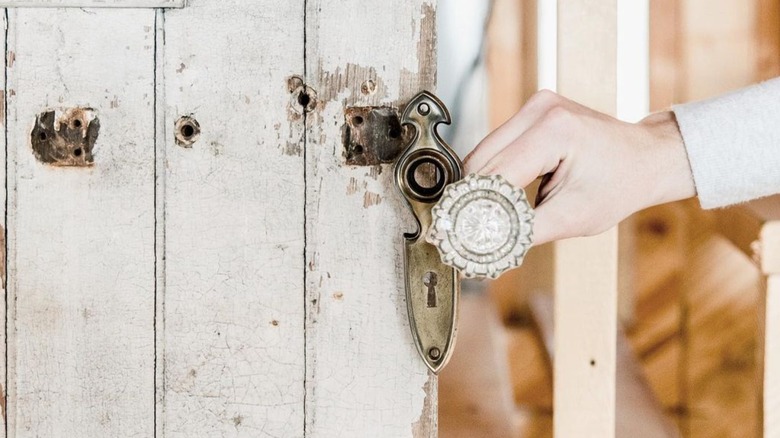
(597, 170)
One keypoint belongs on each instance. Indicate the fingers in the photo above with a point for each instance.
(546, 228)
(533, 154)
(496, 141)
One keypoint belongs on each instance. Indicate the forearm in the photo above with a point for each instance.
(733, 144)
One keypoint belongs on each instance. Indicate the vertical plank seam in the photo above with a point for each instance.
(5, 219)
(159, 226)
(305, 233)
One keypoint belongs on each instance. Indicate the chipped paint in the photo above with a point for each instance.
(351, 78)
(293, 149)
(352, 187)
(426, 425)
(424, 78)
(370, 199)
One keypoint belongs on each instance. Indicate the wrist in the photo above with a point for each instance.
(670, 171)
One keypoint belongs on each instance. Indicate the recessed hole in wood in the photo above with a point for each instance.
(186, 131)
(372, 135)
(65, 137)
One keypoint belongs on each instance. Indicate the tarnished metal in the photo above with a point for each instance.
(422, 172)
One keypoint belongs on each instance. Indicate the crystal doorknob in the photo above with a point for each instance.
(482, 226)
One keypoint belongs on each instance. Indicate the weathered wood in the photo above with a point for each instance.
(3, 246)
(586, 269)
(81, 239)
(233, 315)
(364, 376)
(92, 3)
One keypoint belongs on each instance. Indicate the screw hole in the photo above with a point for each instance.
(358, 149)
(394, 132)
(77, 123)
(42, 136)
(357, 120)
(187, 130)
(304, 99)
(77, 152)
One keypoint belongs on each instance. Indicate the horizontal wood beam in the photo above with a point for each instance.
(92, 3)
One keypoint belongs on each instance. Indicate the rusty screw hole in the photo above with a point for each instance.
(394, 132)
(187, 131)
(77, 152)
(357, 120)
(42, 136)
(358, 149)
(77, 123)
(304, 99)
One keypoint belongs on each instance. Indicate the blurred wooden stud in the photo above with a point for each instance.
(768, 39)
(586, 269)
(755, 229)
(640, 413)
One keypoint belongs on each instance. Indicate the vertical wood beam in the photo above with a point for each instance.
(81, 239)
(771, 362)
(233, 311)
(586, 268)
(768, 39)
(364, 376)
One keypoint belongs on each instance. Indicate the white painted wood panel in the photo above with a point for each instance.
(92, 3)
(233, 309)
(586, 269)
(81, 239)
(364, 376)
(3, 234)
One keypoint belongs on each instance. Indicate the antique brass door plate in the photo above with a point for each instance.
(422, 173)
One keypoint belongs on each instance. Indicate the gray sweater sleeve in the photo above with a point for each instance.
(733, 144)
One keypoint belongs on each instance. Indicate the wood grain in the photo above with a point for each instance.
(81, 239)
(364, 376)
(233, 352)
(586, 269)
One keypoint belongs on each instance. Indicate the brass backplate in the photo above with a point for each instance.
(432, 288)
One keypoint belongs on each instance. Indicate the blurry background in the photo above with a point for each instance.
(689, 301)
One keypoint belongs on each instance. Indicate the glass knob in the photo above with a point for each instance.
(482, 226)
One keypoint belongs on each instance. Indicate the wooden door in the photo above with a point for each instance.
(189, 253)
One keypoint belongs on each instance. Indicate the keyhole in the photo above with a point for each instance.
(430, 280)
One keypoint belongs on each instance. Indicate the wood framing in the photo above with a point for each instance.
(586, 269)
(754, 228)
(92, 3)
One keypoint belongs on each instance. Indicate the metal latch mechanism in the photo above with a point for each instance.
(480, 226)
